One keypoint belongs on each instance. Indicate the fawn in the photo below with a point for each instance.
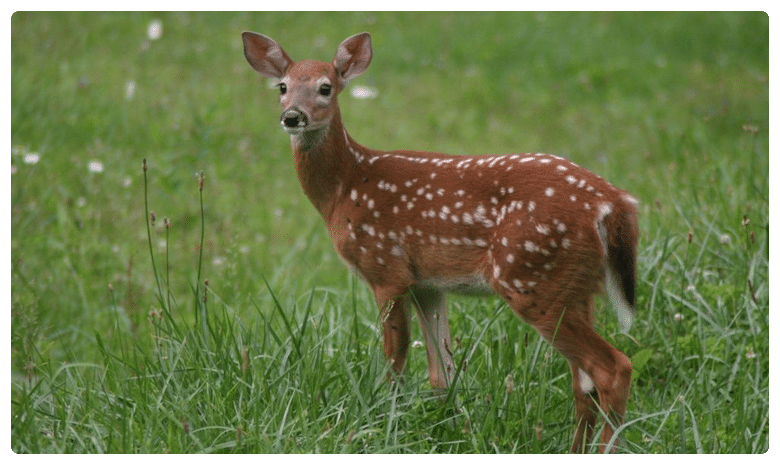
(536, 229)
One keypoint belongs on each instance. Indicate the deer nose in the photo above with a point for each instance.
(294, 118)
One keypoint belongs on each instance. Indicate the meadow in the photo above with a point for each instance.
(173, 291)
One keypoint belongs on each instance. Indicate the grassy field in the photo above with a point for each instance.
(228, 324)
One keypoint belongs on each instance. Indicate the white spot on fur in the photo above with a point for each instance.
(586, 383)
(630, 199)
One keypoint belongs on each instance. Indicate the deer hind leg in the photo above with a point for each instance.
(585, 408)
(431, 307)
(598, 369)
(394, 315)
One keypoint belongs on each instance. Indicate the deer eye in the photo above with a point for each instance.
(282, 89)
(326, 89)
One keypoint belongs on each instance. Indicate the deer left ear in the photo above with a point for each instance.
(353, 57)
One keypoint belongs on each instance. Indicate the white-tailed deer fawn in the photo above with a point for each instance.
(536, 229)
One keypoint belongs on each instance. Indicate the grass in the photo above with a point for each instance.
(229, 325)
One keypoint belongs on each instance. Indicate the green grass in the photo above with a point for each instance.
(119, 345)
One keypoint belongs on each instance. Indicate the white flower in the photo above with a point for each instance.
(95, 166)
(155, 30)
(32, 158)
(364, 92)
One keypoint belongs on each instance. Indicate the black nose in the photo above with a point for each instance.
(294, 118)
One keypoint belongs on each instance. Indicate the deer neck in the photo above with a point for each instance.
(324, 163)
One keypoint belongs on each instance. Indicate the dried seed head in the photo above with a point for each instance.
(539, 428)
(510, 383)
(750, 128)
(143, 165)
(745, 221)
(200, 181)
(690, 236)
(244, 359)
(152, 217)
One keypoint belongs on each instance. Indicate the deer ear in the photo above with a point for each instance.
(353, 57)
(265, 55)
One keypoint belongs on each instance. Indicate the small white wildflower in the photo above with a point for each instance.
(95, 166)
(217, 261)
(750, 354)
(724, 239)
(364, 92)
(417, 344)
(155, 30)
(130, 90)
(678, 317)
(32, 158)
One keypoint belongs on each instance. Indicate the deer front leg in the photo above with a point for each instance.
(431, 307)
(394, 315)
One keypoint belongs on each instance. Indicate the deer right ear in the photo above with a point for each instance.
(353, 57)
(265, 55)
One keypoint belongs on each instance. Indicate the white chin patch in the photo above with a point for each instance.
(293, 130)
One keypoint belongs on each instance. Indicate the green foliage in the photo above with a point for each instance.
(228, 325)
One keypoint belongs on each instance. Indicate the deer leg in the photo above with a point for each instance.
(600, 368)
(394, 315)
(585, 408)
(431, 307)
(597, 367)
